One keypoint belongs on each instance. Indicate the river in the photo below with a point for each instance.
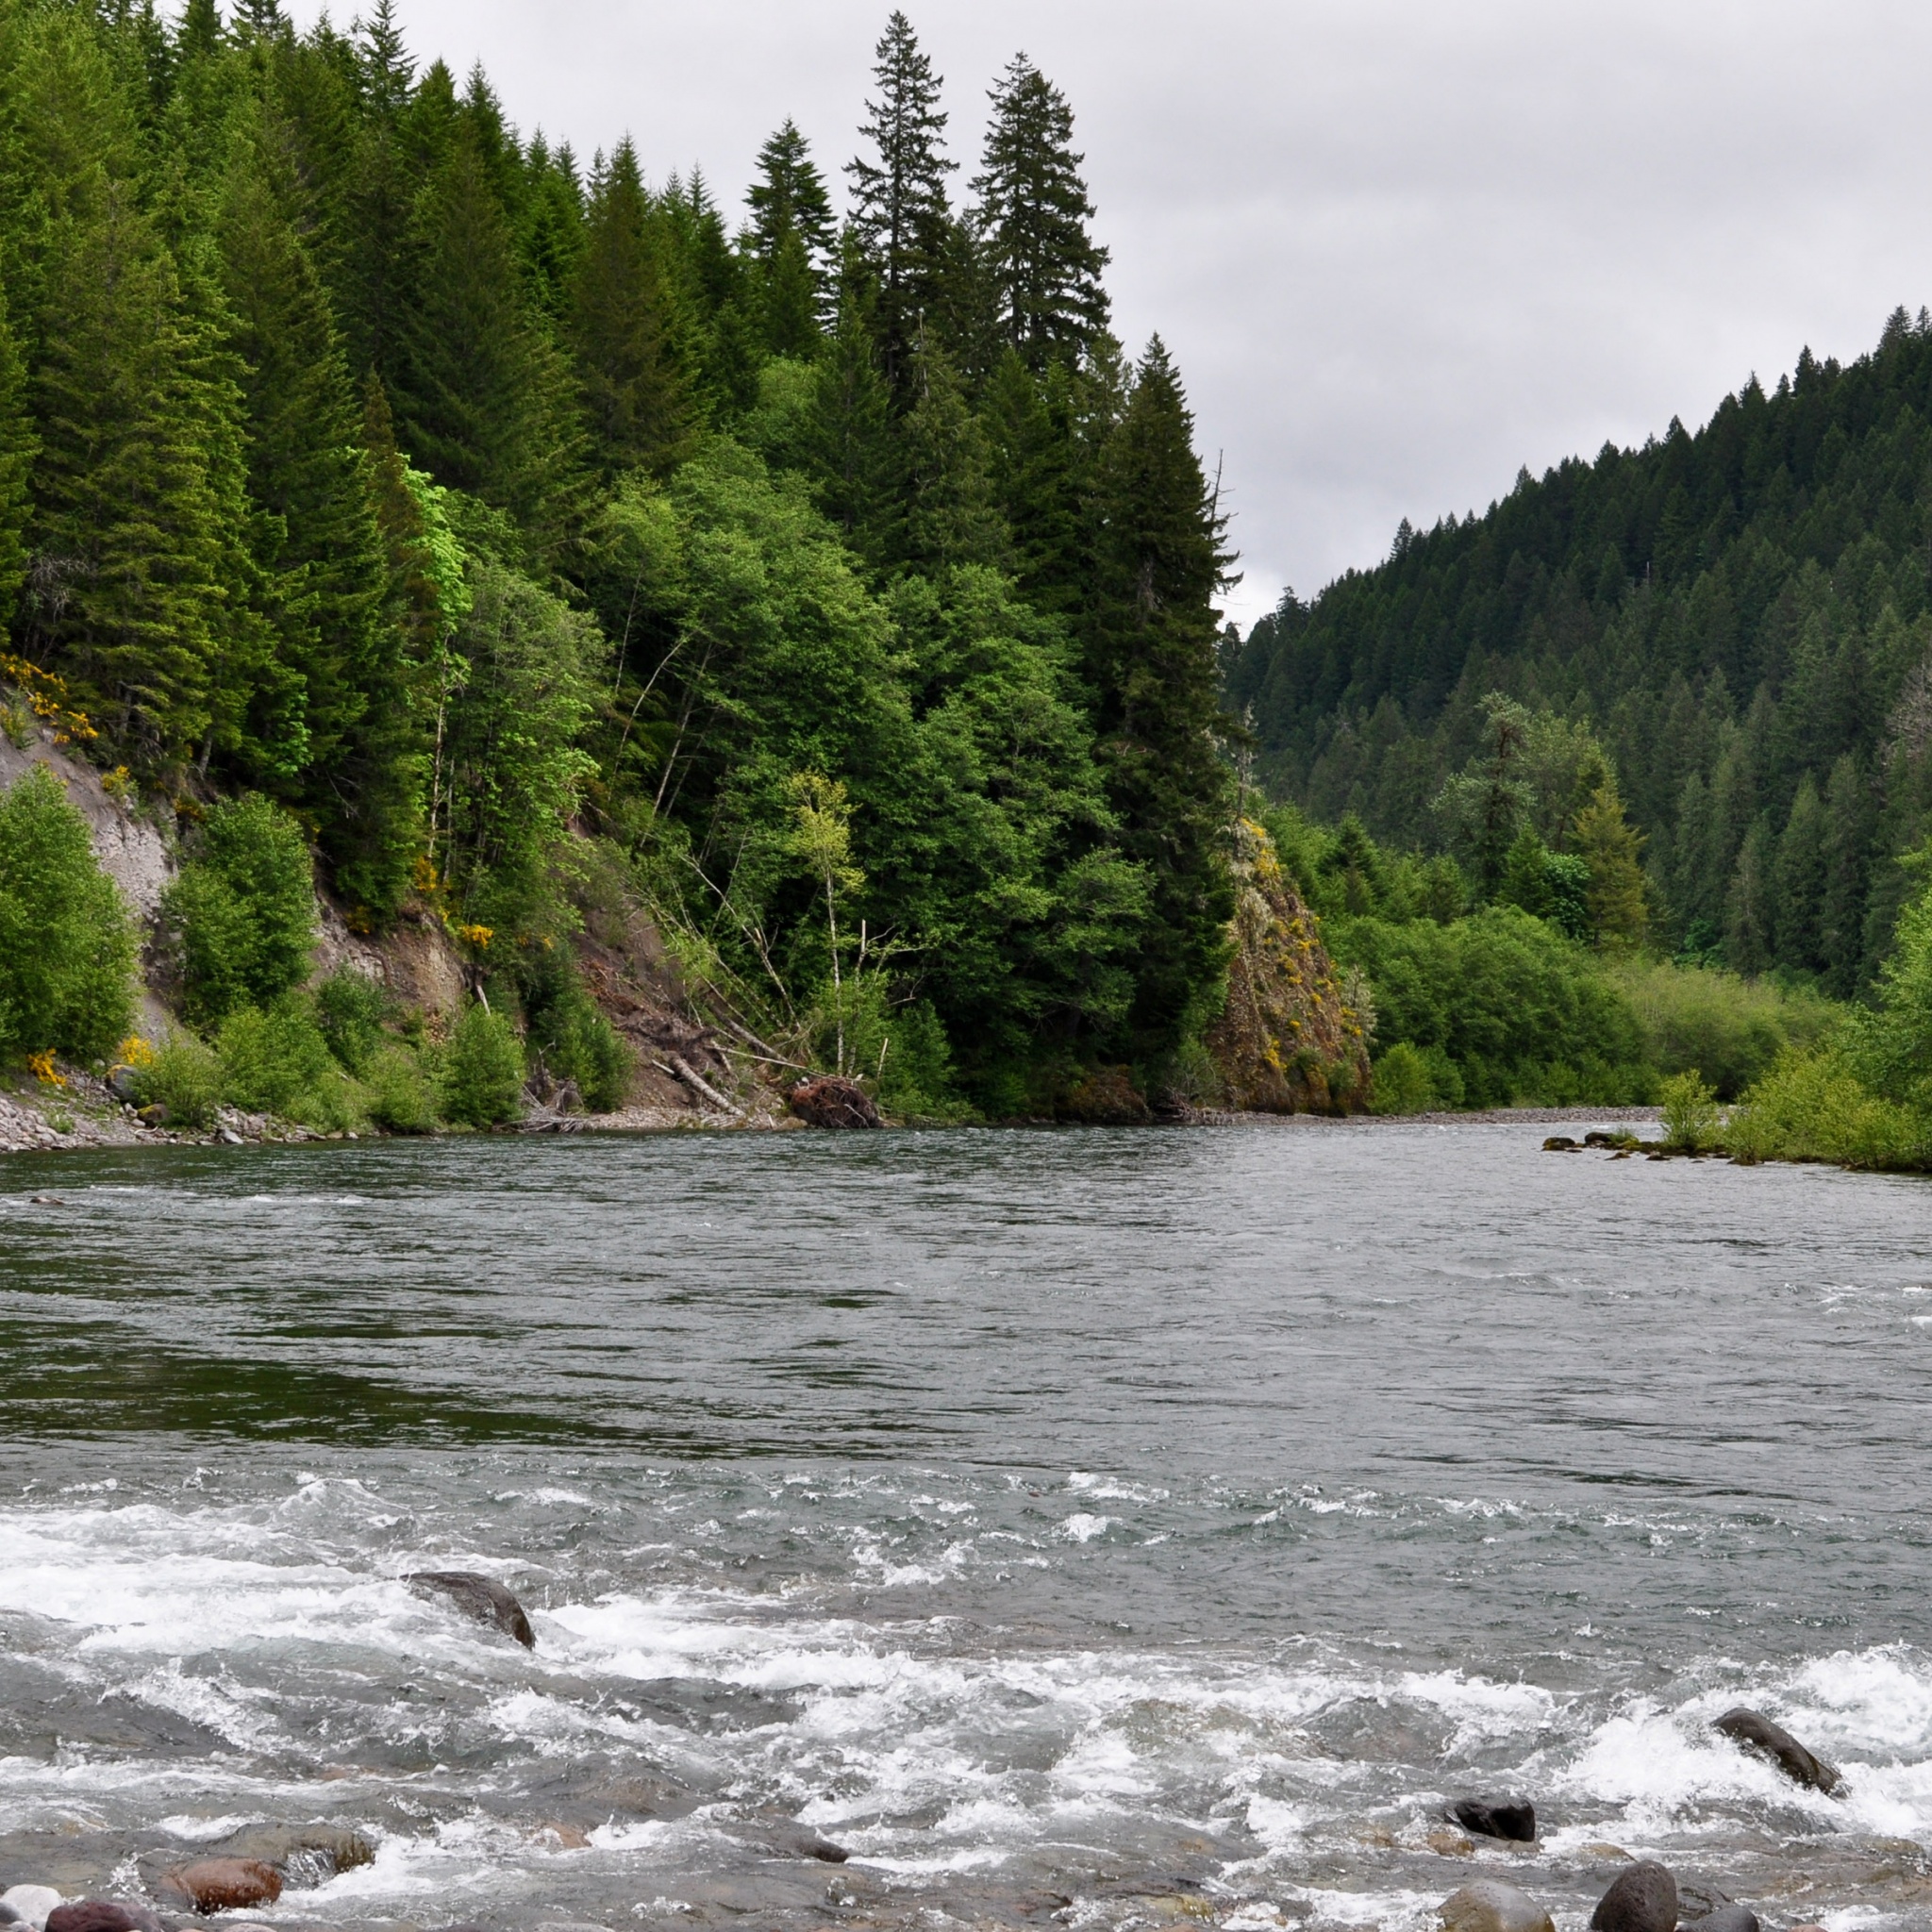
(1079, 1528)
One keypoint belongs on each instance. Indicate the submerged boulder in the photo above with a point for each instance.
(1491, 1906)
(1506, 1818)
(832, 1101)
(480, 1597)
(1643, 1899)
(101, 1915)
(1758, 1734)
(30, 1904)
(224, 1885)
(303, 1856)
(1727, 1918)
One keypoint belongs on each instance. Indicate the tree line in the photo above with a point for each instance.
(500, 516)
(1738, 619)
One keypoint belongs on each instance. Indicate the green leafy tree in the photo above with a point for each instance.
(1033, 209)
(243, 909)
(67, 943)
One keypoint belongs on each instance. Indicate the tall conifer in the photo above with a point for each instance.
(899, 197)
(1034, 212)
(1152, 665)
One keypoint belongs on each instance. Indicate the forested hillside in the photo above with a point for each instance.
(1737, 619)
(494, 510)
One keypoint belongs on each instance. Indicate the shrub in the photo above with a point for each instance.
(350, 1008)
(1402, 1082)
(278, 1062)
(66, 942)
(182, 1075)
(398, 1093)
(244, 910)
(1689, 1111)
(1698, 1019)
(482, 1070)
(1814, 1106)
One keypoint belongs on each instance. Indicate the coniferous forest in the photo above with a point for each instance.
(494, 510)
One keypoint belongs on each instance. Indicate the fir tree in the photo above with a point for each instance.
(1611, 848)
(951, 517)
(1151, 663)
(1800, 880)
(17, 449)
(899, 197)
(625, 327)
(849, 449)
(1034, 211)
(789, 200)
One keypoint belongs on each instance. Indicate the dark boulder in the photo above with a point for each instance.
(224, 1885)
(1726, 1919)
(832, 1102)
(1506, 1818)
(1758, 1734)
(1560, 1144)
(101, 1915)
(1489, 1906)
(480, 1597)
(304, 1856)
(1643, 1899)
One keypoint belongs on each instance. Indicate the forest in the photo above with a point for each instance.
(491, 513)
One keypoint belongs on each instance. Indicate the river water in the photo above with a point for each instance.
(1081, 1529)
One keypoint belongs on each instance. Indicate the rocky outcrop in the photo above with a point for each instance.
(1293, 1037)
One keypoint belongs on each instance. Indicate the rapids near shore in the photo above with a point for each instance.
(1074, 1527)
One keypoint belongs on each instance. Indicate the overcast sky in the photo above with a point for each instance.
(1400, 247)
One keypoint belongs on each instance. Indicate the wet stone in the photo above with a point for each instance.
(481, 1598)
(1643, 1899)
(1504, 1818)
(1491, 1906)
(1758, 1734)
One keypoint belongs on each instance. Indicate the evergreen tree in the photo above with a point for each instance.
(125, 592)
(789, 202)
(1150, 664)
(951, 518)
(626, 328)
(1611, 848)
(899, 213)
(1750, 904)
(1848, 835)
(17, 448)
(1034, 211)
(1800, 900)
(849, 449)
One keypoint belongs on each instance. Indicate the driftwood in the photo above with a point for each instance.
(832, 1102)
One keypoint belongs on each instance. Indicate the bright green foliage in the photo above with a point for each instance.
(277, 1061)
(1609, 846)
(350, 1008)
(184, 1078)
(1892, 1045)
(66, 942)
(1815, 1106)
(1699, 1019)
(1151, 661)
(243, 909)
(482, 1070)
(1402, 1082)
(1034, 211)
(1690, 1114)
(1522, 1013)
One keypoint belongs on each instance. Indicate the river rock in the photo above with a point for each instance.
(1756, 1733)
(1726, 1919)
(832, 1102)
(101, 1915)
(480, 1597)
(30, 1904)
(1508, 1818)
(225, 1885)
(1643, 1899)
(8, 1916)
(1489, 1906)
(304, 1856)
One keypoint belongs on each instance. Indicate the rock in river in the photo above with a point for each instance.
(1726, 1919)
(1643, 1899)
(225, 1885)
(1758, 1733)
(101, 1915)
(1489, 1906)
(1508, 1818)
(480, 1597)
(833, 1103)
(30, 1904)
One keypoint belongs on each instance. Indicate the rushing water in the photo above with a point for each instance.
(1078, 1527)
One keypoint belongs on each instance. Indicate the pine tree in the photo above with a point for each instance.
(788, 200)
(1611, 848)
(1034, 211)
(1850, 816)
(1150, 664)
(1748, 907)
(849, 449)
(899, 198)
(628, 335)
(1799, 904)
(951, 517)
(17, 450)
(125, 592)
